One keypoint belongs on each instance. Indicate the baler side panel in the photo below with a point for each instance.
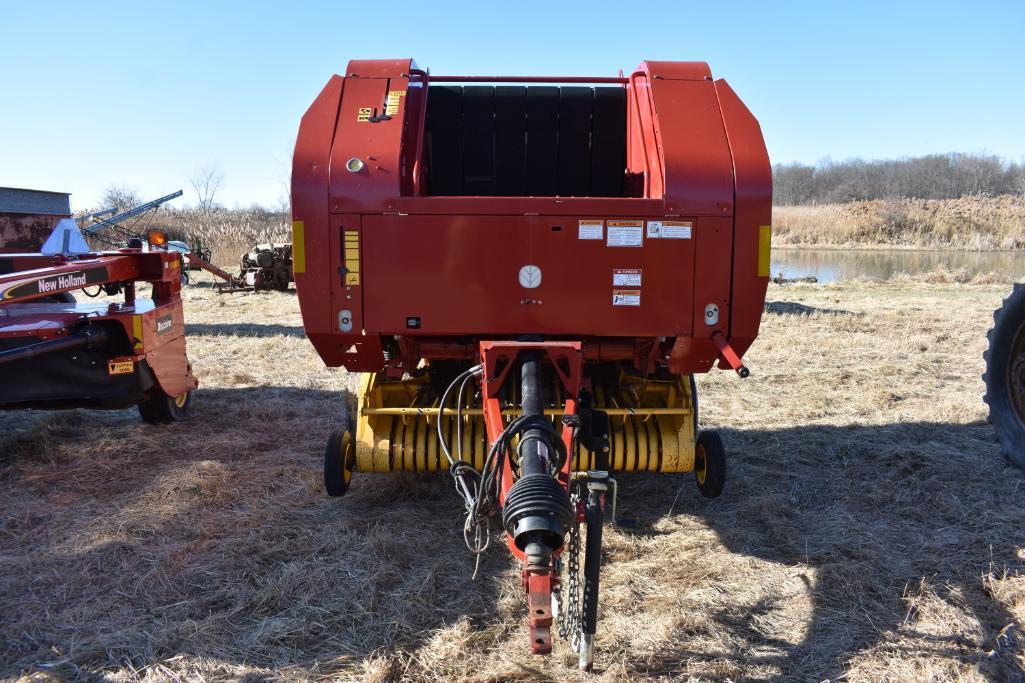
(698, 181)
(376, 186)
(311, 220)
(697, 162)
(752, 214)
(349, 348)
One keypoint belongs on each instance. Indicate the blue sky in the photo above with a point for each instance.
(94, 93)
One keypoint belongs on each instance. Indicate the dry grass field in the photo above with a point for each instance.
(967, 223)
(869, 531)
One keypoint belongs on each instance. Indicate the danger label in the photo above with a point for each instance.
(626, 297)
(364, 114)
(120, 367)
(669, 230)
(591, 230)
(625, 234)
(626, 277)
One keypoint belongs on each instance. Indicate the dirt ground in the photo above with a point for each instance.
(870, 529)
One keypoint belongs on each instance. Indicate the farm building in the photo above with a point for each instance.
(28, 216)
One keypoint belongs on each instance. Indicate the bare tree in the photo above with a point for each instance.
(285, 185)
(935, 176)
(120, 197)
(206, 181)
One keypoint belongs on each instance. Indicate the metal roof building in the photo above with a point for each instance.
(39, 202)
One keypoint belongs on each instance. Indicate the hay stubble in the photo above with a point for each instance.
(869, 528)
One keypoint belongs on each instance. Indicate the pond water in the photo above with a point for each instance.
(828, 265)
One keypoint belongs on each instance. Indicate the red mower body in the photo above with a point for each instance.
(630, 214)
(102, 354)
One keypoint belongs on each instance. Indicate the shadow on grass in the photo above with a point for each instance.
(794, 308)
(885, 516)
(243, 330)
(212, 539)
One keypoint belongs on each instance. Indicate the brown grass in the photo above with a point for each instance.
(228, 233)
(966, 223)
(869, 529)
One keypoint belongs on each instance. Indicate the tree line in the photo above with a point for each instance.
(936, 176)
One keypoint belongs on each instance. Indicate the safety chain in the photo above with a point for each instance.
(569, 620)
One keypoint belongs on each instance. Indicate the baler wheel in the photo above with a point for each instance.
(1005, 375)
(710, 464)
(339, 461)
(163, 409)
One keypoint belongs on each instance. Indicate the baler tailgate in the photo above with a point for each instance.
(459, 275)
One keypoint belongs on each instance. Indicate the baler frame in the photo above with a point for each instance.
(428, 260)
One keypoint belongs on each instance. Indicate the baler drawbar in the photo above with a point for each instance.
(529, 271)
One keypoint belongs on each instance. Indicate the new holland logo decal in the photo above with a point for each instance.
(76, 279)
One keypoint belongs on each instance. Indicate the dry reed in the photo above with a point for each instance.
(966, 223)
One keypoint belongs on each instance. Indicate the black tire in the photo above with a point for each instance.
(1005, 375)
(710, 464)
(160, 408)
(339, 460)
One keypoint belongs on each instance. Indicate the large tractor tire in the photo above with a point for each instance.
(1005, 375)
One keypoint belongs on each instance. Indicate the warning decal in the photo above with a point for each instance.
(364, 114)
(120, 367)
(625, 234)
(626, 277)
(591, 230)
(392, 107)
(351, 257)
(626, 297)
(670, 230)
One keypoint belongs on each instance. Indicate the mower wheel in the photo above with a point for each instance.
(710, 464)
(163, 409)
(339, 459)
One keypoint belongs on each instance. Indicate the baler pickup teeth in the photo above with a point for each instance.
(652, 424)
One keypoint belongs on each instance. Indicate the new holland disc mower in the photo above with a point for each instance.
(58, 353)
(529, 271)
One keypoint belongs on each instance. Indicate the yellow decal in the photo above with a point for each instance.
(764, 249)
(123, 367)
(364, 114)
(298, 247)
(393, 102)
(352, 257)
(137, 332)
